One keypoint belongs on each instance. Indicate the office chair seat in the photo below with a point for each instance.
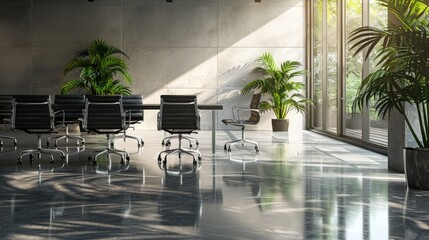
(179, 115)
(33, 114)
(134, 105)
(237, 120)
(105, 115)
(73, 106)
(5, 117)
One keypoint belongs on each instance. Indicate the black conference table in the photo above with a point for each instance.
(212, 107)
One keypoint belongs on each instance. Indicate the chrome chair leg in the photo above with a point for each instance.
(179, 150)
(243, 140)
(66, 138)
(39, 151)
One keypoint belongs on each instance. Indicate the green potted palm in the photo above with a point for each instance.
(99, 66)
(283, 93)
(402, 78)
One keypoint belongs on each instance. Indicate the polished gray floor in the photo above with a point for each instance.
(301, 186)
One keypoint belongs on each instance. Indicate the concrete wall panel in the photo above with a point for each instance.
(75, 26)
(261, 26)
(15, 70)
(170, 26)
(15, 26)
(203, 47)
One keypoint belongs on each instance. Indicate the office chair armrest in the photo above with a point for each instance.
(126, 123)
(53, 119)
(236, 111)
(158, 121)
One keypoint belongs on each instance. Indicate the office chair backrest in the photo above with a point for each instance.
(32, 112)
(104, 113)
(254, 104)
(179, 113)
(134, 103)
(5, 108)
(73, 106)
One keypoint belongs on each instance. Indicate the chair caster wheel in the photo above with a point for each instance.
(142, 143)
(229, 149)
(199, 158)
(127, 158)
(159, 159)
(19, 163)
(225, 148)
(14, 144)
(83, 143)
(190, 145)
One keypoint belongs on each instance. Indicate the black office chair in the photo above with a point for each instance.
(237, 120)
(73, 106)
(5, 116)
(105, 115)
(33, 114)
(179, 115)
(134, 105)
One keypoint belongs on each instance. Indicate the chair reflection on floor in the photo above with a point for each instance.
(185, 189)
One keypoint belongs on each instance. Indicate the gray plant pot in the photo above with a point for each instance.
(280, 124)
(416, 162)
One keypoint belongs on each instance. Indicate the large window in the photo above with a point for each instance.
(336, 72)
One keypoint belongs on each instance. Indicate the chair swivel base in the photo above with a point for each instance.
(125, 157)
(227, 146)
(140, 142)
(167, 140)
(180, 151)
(39, 152)
(79, 140)
(66, 138)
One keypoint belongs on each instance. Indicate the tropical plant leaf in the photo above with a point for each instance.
(277, 82)
(98, 66)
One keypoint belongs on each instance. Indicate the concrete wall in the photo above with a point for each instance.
(203, 47)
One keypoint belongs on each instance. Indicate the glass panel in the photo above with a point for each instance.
(378, 125)
(318, 63)
(332, 69)
(353, 120)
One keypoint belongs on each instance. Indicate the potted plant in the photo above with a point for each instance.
(276, 82)
(99, 66)
(402, 78)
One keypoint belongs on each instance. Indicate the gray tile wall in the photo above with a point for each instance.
(203, 47)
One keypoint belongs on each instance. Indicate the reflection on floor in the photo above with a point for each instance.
(301, 186)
